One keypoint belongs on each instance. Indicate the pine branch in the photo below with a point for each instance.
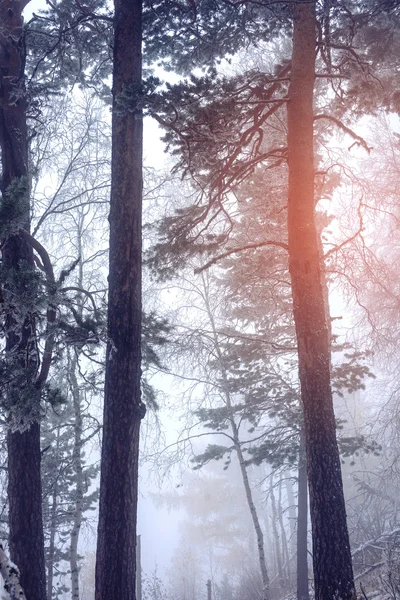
(79, 290)
(359, 140)
(51, 309)
(231, 251)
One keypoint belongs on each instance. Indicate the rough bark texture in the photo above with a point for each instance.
(24, 488)
(123, 409)
(333, 572)
(26, 538)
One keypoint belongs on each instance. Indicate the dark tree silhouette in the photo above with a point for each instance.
(333, 573)
(123, 408)
(24, 487)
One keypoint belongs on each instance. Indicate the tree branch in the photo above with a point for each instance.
(239, 249)
(350, 239)
(51, 309)
(73, 288)
(359, 140)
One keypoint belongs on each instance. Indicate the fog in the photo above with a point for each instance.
(269, 288)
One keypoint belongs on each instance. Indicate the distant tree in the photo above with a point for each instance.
(153, 587)
(68, 491)
(225, 590)
(186, 578)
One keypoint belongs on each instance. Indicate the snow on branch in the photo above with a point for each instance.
(384, 536)
(51, 309)
(358, 139)
(10, 574)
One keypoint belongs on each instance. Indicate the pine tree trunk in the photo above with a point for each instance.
(24, 487)
(25, 511)
(123, 409)
(333, 573)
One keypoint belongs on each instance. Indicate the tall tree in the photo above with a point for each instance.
(67, 483)
(333, 573)
(24, 487)
(31, 47)
(123, 408)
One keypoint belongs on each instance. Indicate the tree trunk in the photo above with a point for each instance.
(53, 529)
(285, 548)
(24, 487)
(78, 474)
(333, 571)
(253, 512)
(123, 408)
(275, 531)
(292, 513)
(302, 518)
(238, 448)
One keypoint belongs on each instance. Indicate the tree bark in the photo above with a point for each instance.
(123, 408)
(24, 487)
(333, 573)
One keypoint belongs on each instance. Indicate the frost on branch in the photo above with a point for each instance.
(10, 574)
